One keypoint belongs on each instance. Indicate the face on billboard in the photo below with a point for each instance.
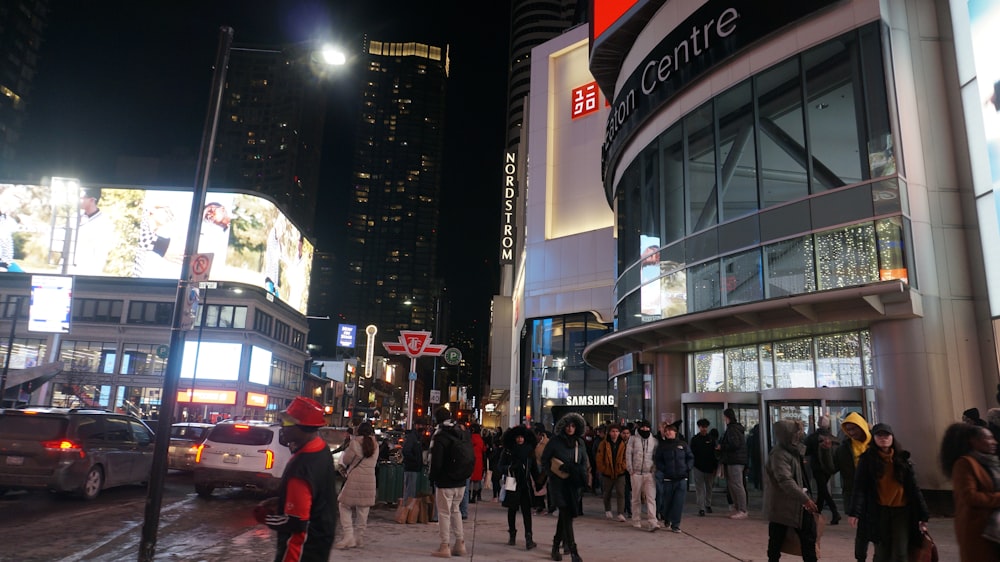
(141, 233)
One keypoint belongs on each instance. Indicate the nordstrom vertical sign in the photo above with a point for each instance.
(508, 237)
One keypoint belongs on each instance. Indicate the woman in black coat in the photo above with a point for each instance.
(518, 460)
(566, 486)
(892, 512)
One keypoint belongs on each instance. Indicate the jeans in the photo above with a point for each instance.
(410, 484)
(703, 482)
(449, 517)
(734, 481)
(660, 510)
(464, 506)
(643, 493)
(674, 493)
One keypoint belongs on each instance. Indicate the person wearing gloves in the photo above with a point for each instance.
(786, 504)
(358, 494)
(304, 514)
(886, 501)
(639, 461)
(566, 483)
(518, 460)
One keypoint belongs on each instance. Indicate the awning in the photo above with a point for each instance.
(37, 376)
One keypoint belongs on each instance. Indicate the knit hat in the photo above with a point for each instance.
(643, 423)
(441, 415)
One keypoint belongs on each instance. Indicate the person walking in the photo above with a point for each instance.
(786, 504)
(705, 465)
(451, 463)
(478, 471)
(518, 460)
(733, 455)
(565, 460)
(357, 464)
(413, 458)
(886, 500)
(846, 457)
(542, 488)
(968, 457)
(612, 466)
(820, 462)
(640, 465)
(674, 462)
(304, 514)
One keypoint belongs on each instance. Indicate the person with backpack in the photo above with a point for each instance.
(451, 465)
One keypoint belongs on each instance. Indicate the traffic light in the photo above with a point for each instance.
(420, 411)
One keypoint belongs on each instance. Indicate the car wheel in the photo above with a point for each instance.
(93, 483)
(204, 490)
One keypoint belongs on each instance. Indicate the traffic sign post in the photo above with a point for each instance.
(413, 344)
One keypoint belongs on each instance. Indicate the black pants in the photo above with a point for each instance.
(525, 506)
(564, 530)
(823, 497)
(807, 537)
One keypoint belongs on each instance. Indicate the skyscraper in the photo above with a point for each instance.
(271, 127)
(22, 24)
(394, 207)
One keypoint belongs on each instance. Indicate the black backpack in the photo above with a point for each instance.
(461, 459)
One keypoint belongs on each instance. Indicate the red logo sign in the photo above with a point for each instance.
(585, 100)
(414, 343)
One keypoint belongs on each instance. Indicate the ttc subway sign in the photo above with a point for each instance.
(414, 344)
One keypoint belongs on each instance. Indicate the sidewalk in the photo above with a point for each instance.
(714, 538)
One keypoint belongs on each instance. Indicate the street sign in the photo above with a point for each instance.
(453, 356)
(413, 376)
(163, 351)
(435, 397)
(201, 267)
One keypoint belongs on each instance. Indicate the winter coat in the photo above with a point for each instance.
(640, 455)
(673, 459)
(703, 449)
(446, 435)
(846, 456)
(864, 501)
(784, 497)
(610, 460)
(479, 450)
(413, 451)
(733, 445)
(519, 462)
(566, 493)
(359, 490)
(975, 501)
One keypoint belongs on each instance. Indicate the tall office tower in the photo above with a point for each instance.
(22, 23)
(271, 127)
(394, 208)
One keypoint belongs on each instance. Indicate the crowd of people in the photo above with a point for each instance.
(642, 477)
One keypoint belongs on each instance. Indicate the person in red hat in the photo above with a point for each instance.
(305, 512)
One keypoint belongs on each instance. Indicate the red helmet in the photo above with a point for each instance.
(304, 411)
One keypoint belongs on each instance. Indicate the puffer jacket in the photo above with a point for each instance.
(610, 460)
(640, 455)
(733, 445)
(783, 495)
(673, 459)
(359, 490)
(566, 493)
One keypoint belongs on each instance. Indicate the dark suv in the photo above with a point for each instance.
(72, 450)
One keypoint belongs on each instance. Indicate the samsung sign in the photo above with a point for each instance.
(716, 31)
(591, 400)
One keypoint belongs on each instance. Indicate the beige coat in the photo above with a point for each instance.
(359, 490)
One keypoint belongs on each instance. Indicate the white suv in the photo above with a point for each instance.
(241, 454)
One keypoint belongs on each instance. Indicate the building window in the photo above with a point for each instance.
(98, 310)
(89, 356)
(282, 331)
(262, 323)
(142, 359)
(298, 340)
(224, 316)
(154, 313)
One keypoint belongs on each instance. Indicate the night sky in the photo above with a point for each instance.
(133, 78)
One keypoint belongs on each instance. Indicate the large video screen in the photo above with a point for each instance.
(137, 232)
(217, 361)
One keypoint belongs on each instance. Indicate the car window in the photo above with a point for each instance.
(42, 428)
(140, 432)
(116, 430)
(333, 436)
(240, 434)
(89, 427)
(186, 432)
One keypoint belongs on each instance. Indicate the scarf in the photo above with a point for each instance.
(992, 465)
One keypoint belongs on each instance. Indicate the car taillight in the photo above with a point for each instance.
(269, 458)
(62, 445)
(241, 426)
(197, 453)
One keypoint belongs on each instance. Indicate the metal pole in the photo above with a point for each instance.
(10, 345)
(154, 497)
(409, 395)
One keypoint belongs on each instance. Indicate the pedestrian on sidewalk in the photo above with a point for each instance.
(452, 461)
(705, 465)
(542, 489)
(612, 466)
(479, 471)
(413, 458)
(968, 457)
(786, 504)
(820, 461)
(642, 468)
(518, 460)
(674, 461)
(357, 464)
(733, 455)
(567, 481)
(846, 457)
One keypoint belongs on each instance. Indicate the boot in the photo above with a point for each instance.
(444, 551)
(528, 543)
(556, 554)
(459, 548)
(513, 536)
(574, 556)
(836, 518)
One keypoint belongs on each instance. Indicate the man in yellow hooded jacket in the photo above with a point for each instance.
(856, 438)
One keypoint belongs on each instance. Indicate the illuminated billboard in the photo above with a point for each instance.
(137, 232)
(51, 302)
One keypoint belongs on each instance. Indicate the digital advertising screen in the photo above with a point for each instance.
(140, 232)
(51, 304)
(260, 366)
(217, 361)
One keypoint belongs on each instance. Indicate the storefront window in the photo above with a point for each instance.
(699, 128)
(742, 369)
(782, 134)
(838, 360)
(88, 356)
(142, 359)
(737, 152)
(847, 257)
(793, 364)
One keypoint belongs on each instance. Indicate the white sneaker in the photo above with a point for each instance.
(637, 524)
(607, 515)
(739, 515)
(621, 518)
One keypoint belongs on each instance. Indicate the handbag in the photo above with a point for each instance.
(792, 545)
(927, 551)
(510, 483)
